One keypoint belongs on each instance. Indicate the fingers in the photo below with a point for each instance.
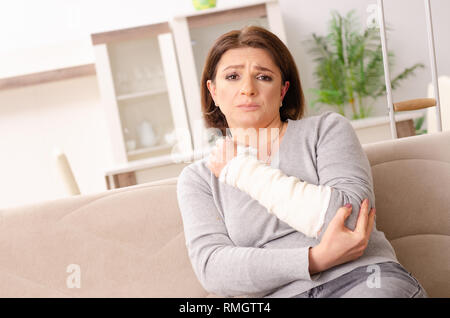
(371, 221)
(229, 149)
(208, 164)
(219, 151)
(235, 139)
(347, 211)
(363, 217)
(241, 140)
(343, 213)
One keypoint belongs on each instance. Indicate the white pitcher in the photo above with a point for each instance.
(147, 136)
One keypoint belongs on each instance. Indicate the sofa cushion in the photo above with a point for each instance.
(127, 243)
(411, 183)
(426, 255)
(411, 196)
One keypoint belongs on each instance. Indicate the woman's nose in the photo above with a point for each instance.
(248, 88)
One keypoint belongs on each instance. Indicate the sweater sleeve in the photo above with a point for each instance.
(342, 165)
(221, 267)
(293, 201)
(344, 177)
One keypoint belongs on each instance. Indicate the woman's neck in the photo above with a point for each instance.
(266, 139)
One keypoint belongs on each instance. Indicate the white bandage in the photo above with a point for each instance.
(301, 205)
(241, 151)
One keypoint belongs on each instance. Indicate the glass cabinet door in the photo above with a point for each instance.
(144, 95)
(195, 34)
(202, 38)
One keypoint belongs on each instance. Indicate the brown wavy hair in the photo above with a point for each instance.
(254, 37)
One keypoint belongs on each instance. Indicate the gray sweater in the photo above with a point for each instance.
(237, 248)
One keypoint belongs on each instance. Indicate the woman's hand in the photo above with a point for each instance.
(224, 150)
(339, 244)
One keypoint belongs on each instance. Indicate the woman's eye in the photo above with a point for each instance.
(264, 77)
(231, 77)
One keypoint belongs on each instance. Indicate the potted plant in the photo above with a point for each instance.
(203, 4)
(418, 126)
(349, 67)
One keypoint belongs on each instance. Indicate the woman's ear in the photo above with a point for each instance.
(284, 89)
(212, 89)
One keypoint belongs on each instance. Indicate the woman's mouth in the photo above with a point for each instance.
(249, 107)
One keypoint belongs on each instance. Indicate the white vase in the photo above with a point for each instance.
(131, 144)
(170, 138)
(147, 136)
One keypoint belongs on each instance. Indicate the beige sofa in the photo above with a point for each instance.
(129, 242)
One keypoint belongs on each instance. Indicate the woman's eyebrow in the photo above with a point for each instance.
(232, 66)
(265, 69)
(259, 68)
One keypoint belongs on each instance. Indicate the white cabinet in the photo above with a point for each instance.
(152, 73)
(194, 35)
(141, 92)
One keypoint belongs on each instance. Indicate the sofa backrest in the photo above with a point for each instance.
(125, 242)
(129, 242)
(412, 186)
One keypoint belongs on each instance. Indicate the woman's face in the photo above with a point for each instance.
(248, 88)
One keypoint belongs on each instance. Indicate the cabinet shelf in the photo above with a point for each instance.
(141, 94)
(152, 73)
(149, 149)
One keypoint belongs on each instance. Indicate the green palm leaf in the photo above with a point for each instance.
(349, 66)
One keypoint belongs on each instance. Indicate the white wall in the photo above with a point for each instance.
(48, 34)
(408, 39)
(32, 30)
(36, 120)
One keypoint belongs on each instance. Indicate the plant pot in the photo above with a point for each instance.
(203, 4)
(375, 129)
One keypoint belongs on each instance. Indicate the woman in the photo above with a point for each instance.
(244, 235)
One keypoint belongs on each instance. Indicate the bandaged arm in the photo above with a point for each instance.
(293, 201)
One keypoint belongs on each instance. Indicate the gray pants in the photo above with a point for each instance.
(382, 280)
